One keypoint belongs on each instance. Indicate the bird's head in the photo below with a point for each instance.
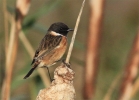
(60, 28)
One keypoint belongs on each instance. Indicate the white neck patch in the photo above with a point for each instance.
(55, 34)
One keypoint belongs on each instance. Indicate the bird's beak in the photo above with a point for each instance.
(70, 30)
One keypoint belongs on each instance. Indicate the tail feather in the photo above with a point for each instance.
(30, 72)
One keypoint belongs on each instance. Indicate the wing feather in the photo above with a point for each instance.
(48, 43)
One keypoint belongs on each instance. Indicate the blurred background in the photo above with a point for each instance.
(119, 28)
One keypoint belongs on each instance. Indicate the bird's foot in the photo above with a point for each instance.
(52, 80)
(67, 64)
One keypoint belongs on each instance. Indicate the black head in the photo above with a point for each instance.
(60, 28)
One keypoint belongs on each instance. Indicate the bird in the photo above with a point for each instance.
(51, 48)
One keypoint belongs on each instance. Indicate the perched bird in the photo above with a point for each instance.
(51, 48)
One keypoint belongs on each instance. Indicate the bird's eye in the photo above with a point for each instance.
(60, 28)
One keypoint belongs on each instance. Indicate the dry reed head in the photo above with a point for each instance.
(61, 87)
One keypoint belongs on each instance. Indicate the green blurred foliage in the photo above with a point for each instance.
(119, 29)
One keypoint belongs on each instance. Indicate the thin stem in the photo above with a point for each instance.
(13, 46)
(74, 33)
(112, 87)
(131, 71)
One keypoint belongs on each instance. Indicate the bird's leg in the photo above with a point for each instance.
(67, 64)
(49, 74)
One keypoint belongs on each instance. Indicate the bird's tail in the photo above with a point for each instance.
(31, 71)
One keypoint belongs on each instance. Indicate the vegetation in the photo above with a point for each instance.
(119, 29)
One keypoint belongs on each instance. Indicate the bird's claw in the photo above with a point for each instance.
(67, 64)
(52, 80)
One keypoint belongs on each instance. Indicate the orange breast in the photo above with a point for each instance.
(55, 54)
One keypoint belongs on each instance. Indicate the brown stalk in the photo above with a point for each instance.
(135, 88)
(93, 45)
(21, 11)
(131, 71)
(6, 83)
(30, 50)
(10, 53)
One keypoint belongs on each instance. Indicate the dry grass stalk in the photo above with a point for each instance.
(62, 86)
(130, 71)
(135, 88)
(9, 65)
(74, 33)
(26, 43)
(112, 87)
(30, 50)
(93, 44)
(12, 48)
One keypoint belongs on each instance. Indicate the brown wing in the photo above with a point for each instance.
(48, 43)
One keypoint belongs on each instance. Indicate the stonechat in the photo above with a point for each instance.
(51, 48)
